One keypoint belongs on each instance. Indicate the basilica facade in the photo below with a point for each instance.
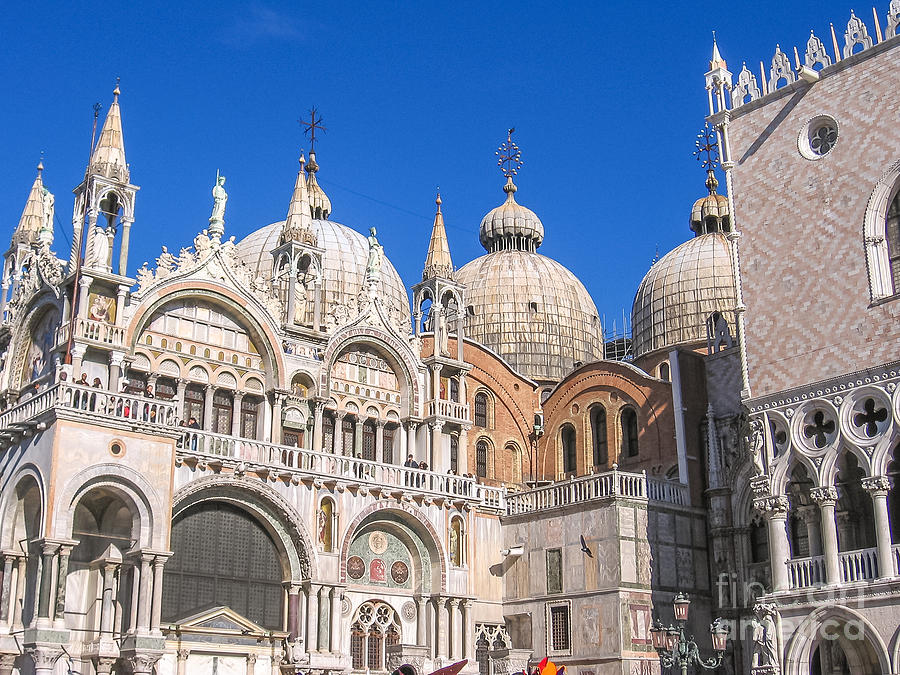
(258, 456)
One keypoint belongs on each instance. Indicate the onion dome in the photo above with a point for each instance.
(511, 225)
(528, 308)
(711, 213)
(687, 285)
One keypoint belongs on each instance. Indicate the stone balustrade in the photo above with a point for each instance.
(806, 572)
(450, 410)
(860, 565)
(611, 484)
(96, 332)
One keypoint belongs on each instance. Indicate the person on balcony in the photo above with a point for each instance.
(97, 384)
(192, 424)
(83, 380)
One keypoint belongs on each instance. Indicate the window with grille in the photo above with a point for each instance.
(454, 454)
(598, 432)
(327, 433)
(223, 411)
(389, 432)
(165, 389)
(892, 235)
(193, 404)
(347, 436)
(368, 440)
(481, 405)
(223, 556)
(629, 432)
(249, 417)
(374, 649)
(357, 647)
(481, 452)
(567, 434)
(559, 628)
(375, 627)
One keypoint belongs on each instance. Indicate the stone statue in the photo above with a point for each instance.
(97, 253)
(300, 302)
(376, 252)
(444, 333)
(765, 639)
(220, 197)
(757, 444)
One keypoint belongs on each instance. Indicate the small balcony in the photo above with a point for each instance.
(94, 332)
(854, 566)
(450, 411)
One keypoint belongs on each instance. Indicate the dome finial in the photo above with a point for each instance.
(509, 159)
(40, 166)
(438, 199)
(117, 91)
(710, 213)
(319, 203)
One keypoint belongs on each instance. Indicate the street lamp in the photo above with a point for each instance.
(676, 650)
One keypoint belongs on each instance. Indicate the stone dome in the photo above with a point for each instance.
(511, 225)
(532, 311)
(344, 262)
(681, 291)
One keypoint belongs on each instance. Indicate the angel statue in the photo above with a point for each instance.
(217, 219)
(376, 253)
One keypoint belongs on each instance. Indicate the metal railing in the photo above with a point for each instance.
(610, 484)
(208, 445)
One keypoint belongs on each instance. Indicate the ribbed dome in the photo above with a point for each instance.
(511, 225)
(711, 213)
(681, 291)
(532, 311)
(344, 262)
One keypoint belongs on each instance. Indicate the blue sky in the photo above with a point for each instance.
(606, 98)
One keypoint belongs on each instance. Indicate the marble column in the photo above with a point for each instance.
(156, 612)
(48, 555)
(236, 414)
(379, 441)
(421, 620)
(277, 421)
(62, 574)
(339, 432)
(334, 636)
(826, 497)
(208, 423)
(115, 370)
(78, 351)
(466, 465)
(437, 461)
(121, 294)
(145, 592)
(134, 561)
(293, 609)
(180, 388)
(251, 664)
(181, 657)
(453, 641)
(357, 436)
(84, 288)
(6, 589)
(324, 609)
(318, 411)
(878, 487)
(775, 510)
(312, 618)
(810, 516)
(317, 304)
(107, 606)
(19, 598)
(468, 631)
(411, 438)
(440, 629)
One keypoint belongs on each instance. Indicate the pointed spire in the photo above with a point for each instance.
(298, 224)
(108, 158)
(319, 203)
(37, 215)
(716, 61)
(438, 262)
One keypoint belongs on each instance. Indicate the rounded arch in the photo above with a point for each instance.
(397, 354)
(260, 327)
(130, 486)
(413, 518)
(270, 509)
(484, 407)
(799, 650)
(303, 384)
(783, 470)
(24, 507)
(878, 264)
(484, 457)
(36, 335)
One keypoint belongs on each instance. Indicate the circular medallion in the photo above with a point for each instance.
(356, 567)
(346, 606)
(378, 543)
(408, 610)
(399, 572)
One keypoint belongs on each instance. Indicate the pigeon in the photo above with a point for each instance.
(585, 549)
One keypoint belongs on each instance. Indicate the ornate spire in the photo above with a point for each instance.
(717, 61)
(36, 223)
(319, 203)
(298, 224)
(108, 158)
(438, 262)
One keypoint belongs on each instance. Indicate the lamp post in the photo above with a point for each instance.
(676, 650)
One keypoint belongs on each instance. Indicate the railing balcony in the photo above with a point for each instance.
(210, 446)
(860, 565)
(806, 572)
(451, 410)
(97, 332)
(610, 484)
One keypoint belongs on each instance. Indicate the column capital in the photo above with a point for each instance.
(466, 603)
(182, 654)
(824, 496)
(772, 506)
(44, 656)
(251, 659)
(116, 358)
(339, 415)
(144, 662)
(292, 587)
(454, 602)
(380, 423)
(437, 424)
(876, 485)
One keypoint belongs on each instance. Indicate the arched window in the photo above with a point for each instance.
(223, 411)
(892, 236)
(250, 416)
(454, 454)
(454, 389)
(376, 625)
(368, 440)
(629, 422)
(567, 438)
(481, 410)
(457, 541)
(664, 371)
(223, 556)
(326, 525)
(481, 453)
(598, 435)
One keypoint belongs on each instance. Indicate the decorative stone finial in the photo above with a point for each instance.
(217, 219)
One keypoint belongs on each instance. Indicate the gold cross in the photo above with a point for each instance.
(310, 128)
(509, 157)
